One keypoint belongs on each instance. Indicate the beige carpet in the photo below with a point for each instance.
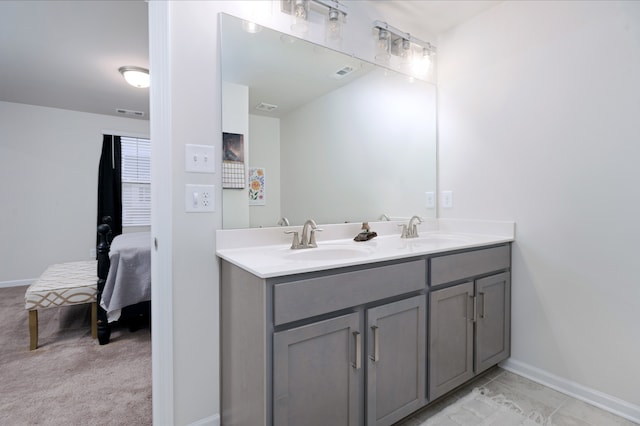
(476, 409)
(70, 379)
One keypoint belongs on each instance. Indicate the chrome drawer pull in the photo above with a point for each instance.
(376, 343)
(358, 362)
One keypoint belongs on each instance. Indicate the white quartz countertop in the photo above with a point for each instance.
(267, 253)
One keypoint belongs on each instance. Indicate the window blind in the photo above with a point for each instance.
(136, 181)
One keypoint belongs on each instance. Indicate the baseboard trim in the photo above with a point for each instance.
(15, 283)
(208, 421)
(591, 396)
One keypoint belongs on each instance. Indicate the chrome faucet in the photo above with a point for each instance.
(308, 238)
(411, 230)
(283, 221)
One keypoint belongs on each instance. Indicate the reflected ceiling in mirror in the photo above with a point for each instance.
(337, 139)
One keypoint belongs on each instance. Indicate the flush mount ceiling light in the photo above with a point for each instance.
(135, 76)
(414, 54)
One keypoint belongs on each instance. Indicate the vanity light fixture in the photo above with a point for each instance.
(135, 76)
(414, 54)
(299, 10)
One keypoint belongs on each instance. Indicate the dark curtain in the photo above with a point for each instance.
(110, 184)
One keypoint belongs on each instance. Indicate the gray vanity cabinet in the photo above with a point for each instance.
(316, 373)
(395, 360)
(356, 345)
(337, 347)
(318, 367)
(469, 321)
(493, 323)
(450, 338)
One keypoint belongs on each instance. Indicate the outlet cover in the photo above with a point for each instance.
(199, 198)
(430, 199)
(199, 158)
(447, 199)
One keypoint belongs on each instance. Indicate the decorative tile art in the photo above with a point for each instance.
(257, 195)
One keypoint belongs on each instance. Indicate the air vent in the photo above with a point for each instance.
(342, 72)
(130, 112)
(263, 106)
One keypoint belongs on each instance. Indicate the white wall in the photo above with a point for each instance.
(261, 149)
(235, 119)
(538, 123)
(49, 172)
(373, 131)
(265, 152)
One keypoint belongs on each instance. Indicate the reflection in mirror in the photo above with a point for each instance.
(326, 135)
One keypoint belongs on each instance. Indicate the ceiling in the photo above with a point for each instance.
(66, 54)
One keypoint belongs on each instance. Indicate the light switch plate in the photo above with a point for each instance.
(199, 158)
(199, 198)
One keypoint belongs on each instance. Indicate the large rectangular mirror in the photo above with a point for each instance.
(320, 134)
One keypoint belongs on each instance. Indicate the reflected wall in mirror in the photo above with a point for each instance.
(338, 139)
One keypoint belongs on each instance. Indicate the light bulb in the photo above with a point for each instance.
(403, 49)
(421, 62)
(382, 47)
(334, 26)
(300, 24)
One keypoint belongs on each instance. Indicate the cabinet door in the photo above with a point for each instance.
(493, 326)
(316, 373)
(450, 338)
(395, 360)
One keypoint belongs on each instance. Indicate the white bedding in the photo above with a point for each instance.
(129, 279)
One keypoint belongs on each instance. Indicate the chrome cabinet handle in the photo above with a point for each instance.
(376, 343)
(358, 362)
(472, 301)
(482, 304)
(475, 309)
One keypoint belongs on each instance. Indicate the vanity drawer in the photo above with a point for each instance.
(315, 296)
(454, 267)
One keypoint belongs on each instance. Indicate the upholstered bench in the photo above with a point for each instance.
(63, 284)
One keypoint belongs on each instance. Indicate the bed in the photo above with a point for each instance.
(124, 278)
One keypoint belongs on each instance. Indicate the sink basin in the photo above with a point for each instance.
(327, 252)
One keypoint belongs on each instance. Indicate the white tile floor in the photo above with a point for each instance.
(558, 408)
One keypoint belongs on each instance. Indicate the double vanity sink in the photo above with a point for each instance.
(381, 248)
(354, 333)
(266, 252)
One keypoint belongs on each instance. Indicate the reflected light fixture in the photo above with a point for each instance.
(251, 27)
(135, 76)
(300, 13)
(414, 55)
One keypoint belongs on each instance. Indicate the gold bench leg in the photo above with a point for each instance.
(33, 329)
(94, 320)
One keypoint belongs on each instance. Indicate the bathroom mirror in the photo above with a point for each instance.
(320, 134)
